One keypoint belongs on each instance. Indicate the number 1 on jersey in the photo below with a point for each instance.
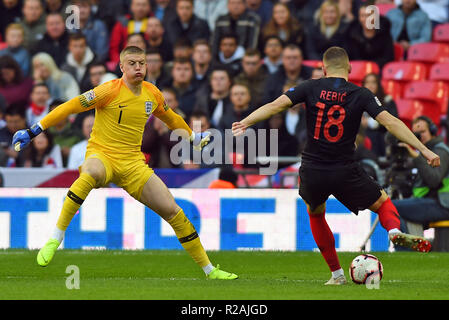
(331, 122)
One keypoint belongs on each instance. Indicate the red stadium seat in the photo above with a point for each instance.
(429, 52)
(436, 92)
(440, 72)
(395, 75)
(398, 52)
(313, 63)
(385, 7)
(409, 109)
(393, 88)
(441, 33)
(359, 69)
(404, 71)
(3, 45)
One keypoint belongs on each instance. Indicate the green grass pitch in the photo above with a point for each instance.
(167, 275)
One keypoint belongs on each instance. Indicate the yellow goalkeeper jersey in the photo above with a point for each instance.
(120, 116)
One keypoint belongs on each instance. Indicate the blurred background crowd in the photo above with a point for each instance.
(215, 61)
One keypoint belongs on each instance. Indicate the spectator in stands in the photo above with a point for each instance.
(409, 24)
(291, 70)
(15, 120)
(44, 153)
(14, 40)
(430, 200)
(96, 72)
(182, 50)
(273, 53)
(317, 73)
(78, 60)
(213, 99)
(10, 12)
(375, 132)
(231, 54)
(33, 22)
(163, 9)
(62, 84)
(107, 11)
(78, 151)
(263, 8)
(210, 10)
(284, 25)
(136, 22)
(436, 10)
(56, 39)
(64, 134)
(156, 39)
(56, 6)
(239, 21)
(40, 103)
(94, 30)
(253, 75)
(185, 24)
(346, 10)
(287, 144)
(183, 84)
(156, 74)
(327, 31)
(295, 120)
(13, 85)
(227, 179)
(303, 10)
(364, 40)
(172, 101)
(202, 61)
(240, 98)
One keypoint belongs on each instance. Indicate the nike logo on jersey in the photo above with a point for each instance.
(121, 106)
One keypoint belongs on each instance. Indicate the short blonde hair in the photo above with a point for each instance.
(15, 26)
(336, 58)
(130, 50)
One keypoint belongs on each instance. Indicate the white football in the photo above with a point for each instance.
(366, 268)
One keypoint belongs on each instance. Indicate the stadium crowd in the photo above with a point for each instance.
(215, 61)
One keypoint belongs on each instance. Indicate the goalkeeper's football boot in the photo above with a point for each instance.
(340, 280)
(413, 242)
(45, 255)
(217, 274)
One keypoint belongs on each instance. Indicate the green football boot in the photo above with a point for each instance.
(47, 252)
(221, 275)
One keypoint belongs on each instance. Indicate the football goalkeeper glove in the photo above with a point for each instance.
(23, 137)
(199, 140)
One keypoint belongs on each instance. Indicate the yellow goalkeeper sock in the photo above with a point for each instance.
(188, 237)
(75, 197)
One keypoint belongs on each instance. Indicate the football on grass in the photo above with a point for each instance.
(366, 268)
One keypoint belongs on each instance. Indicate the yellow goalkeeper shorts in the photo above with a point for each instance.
(130, 174)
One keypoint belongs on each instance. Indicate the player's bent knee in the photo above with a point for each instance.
(95, 169)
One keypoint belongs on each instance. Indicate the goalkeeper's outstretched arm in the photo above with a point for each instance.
(23, 137)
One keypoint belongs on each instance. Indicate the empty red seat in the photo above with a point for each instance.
(404, 71)
(359, 69)
(409, 109)
(440, 72)
(429, 52)
(393, 88)
(441, 33)
(313, 63)
(385, 7)
(436, 92)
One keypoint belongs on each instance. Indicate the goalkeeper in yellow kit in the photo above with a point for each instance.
(113, 153)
